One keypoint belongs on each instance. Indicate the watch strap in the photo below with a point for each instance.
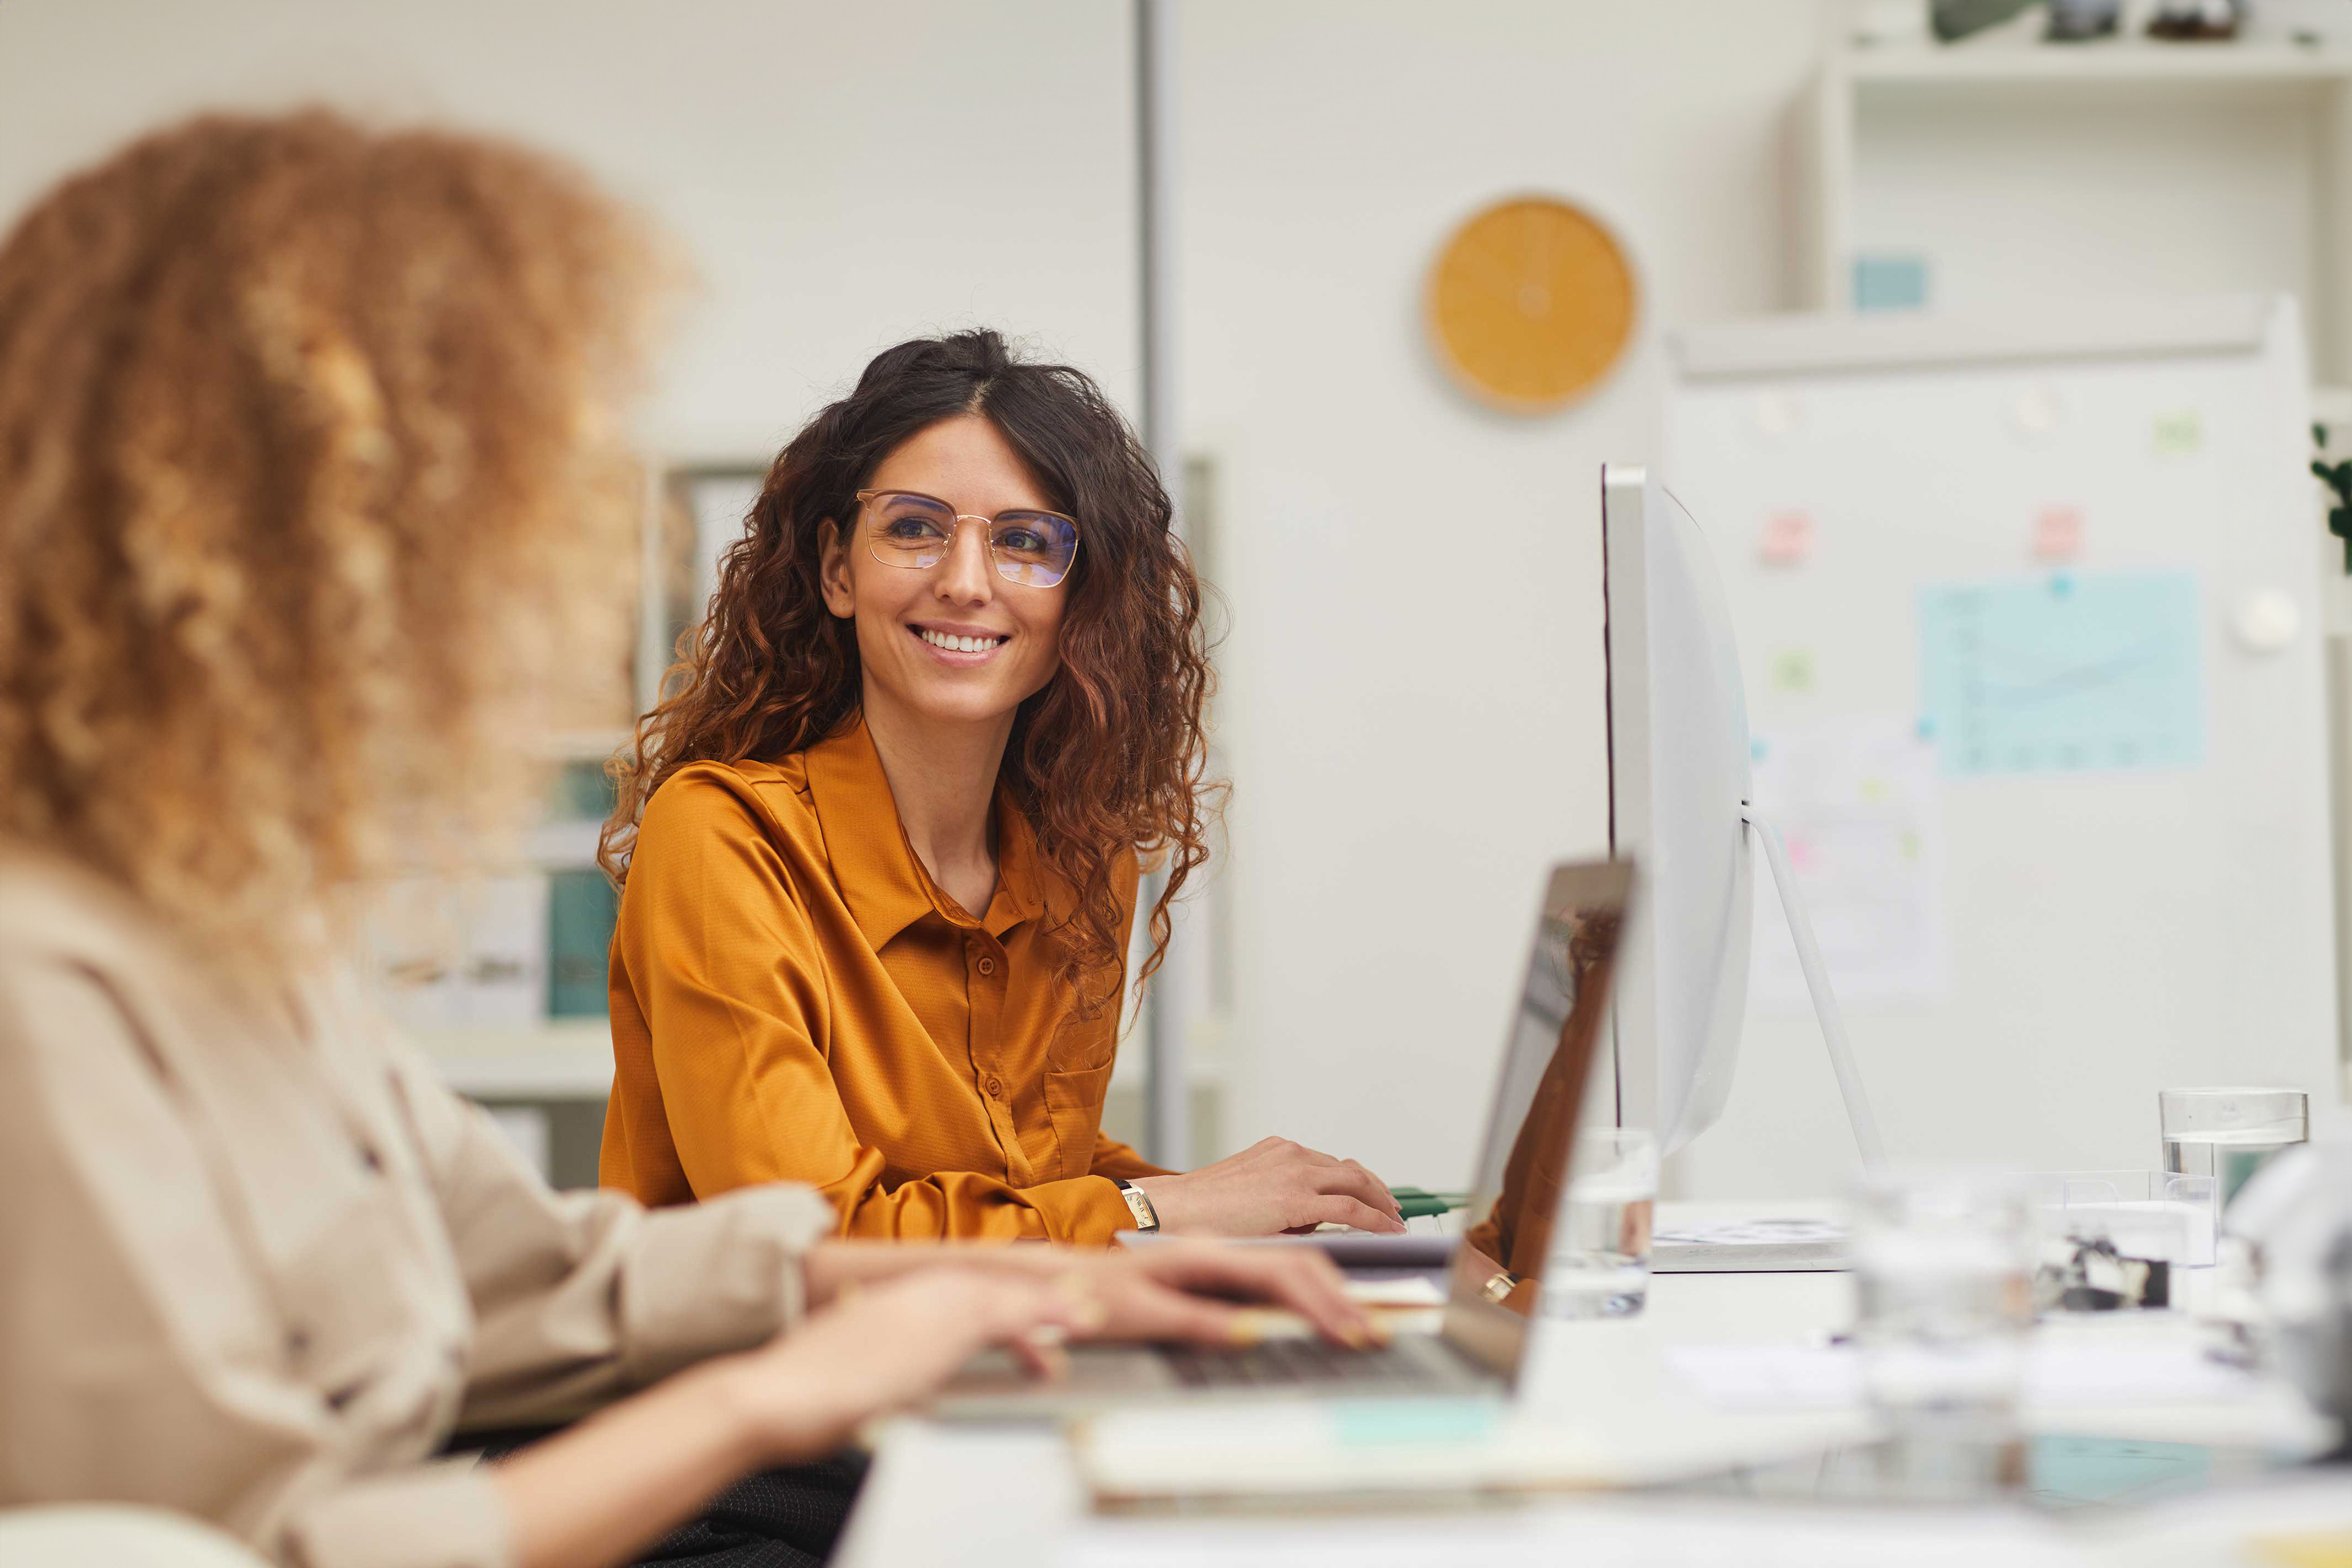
(1139, 1204)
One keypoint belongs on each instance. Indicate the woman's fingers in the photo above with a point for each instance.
(968, 1310)
(1336, 1175)
(1175, 1315)
(1175, 1288)
(1174, 1312)
(893, 1344)
(1353, 1180)
(1387, 1196)
(1033, 1319)
(1041, 1355)
(1307, 1282)
(1336, 1208)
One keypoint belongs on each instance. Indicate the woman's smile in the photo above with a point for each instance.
(960, 647)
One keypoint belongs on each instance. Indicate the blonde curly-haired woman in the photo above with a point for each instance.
(308, 459)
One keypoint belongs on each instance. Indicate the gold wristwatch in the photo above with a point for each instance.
(1146, 1216)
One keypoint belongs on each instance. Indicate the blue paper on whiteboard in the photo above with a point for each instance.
(2064, 674)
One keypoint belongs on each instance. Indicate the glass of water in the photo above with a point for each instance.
(1599, 1266)
(1943, 1264)
(2229, 1133)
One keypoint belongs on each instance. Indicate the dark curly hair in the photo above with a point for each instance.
(1107, 758)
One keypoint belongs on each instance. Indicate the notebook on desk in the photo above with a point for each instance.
(1494, 1269)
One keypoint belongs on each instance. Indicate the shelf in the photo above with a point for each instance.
(2010, 174)
(564, 1059)
(566, 845)
(571, 1058)
(2118, 61)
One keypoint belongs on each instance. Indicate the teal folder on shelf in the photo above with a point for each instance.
(582, 908)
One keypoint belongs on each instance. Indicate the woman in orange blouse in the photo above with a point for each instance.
(879, 847)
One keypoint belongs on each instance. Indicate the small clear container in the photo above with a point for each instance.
(1943, 1263)
(2160, 1216)
(1600, 1263)
(2229, 1133)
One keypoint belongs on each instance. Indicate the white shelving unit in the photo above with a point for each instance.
(2119, 168)
(557, 1060)
(563, 1058)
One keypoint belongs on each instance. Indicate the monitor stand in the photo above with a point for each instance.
(1765, 1244)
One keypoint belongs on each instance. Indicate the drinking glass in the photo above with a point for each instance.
(1599, 1266)
(2229, 1133)
(1943, 1267)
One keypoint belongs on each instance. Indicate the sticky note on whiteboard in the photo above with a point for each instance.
(2064, 674)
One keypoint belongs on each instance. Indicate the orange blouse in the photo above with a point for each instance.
(794, 999)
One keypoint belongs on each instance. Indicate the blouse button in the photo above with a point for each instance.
(987, 965)
(995, 1088)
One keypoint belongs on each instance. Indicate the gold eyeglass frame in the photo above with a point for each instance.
(1078, 535)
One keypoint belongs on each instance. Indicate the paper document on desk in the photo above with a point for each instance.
(1859, 804)
(1392, 1448)
(1404, 1290)
(1804, 1377)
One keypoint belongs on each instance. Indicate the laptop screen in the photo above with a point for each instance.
(1522, 1175)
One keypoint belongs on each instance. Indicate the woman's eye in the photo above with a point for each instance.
(911, 527)
(1024, 541)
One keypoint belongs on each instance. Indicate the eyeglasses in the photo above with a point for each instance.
(906, 529)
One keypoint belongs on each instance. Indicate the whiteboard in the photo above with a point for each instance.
(2075, 559)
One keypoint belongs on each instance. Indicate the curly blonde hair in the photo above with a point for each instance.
(311, 491)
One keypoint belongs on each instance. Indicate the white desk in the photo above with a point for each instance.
(980, 1499)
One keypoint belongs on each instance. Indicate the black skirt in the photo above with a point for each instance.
(788, 1518)
(776, 1519)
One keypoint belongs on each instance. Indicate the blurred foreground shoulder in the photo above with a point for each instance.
(55, 914)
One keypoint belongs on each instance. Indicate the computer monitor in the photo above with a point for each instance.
(1678, 786)
(1680, 803)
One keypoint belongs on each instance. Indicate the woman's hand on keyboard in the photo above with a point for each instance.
(885, 1346)
(1272, 1186)
(1207, 1294)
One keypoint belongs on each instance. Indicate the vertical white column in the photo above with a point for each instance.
(1173, 1002)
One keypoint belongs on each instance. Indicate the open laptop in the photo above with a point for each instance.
(1495, 1272)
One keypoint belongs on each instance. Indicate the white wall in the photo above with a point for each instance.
(1412, 688)
(1412, 695)
(844, 176)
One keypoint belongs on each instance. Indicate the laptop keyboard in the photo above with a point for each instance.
(1291, 1363)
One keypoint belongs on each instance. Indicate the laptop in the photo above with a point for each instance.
(1493, 1273)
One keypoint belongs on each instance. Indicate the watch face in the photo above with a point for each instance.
(1146, 1216)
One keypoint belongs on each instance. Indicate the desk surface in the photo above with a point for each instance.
(941, 1496)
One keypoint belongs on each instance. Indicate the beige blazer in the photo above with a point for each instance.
(256, 1264)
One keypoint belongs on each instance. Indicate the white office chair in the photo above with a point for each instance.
(79, 1535)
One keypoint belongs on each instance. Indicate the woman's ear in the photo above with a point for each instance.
(833, 569)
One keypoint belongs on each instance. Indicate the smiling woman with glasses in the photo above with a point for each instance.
(879, 849)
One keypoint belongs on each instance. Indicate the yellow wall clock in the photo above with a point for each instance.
(1530, 302)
